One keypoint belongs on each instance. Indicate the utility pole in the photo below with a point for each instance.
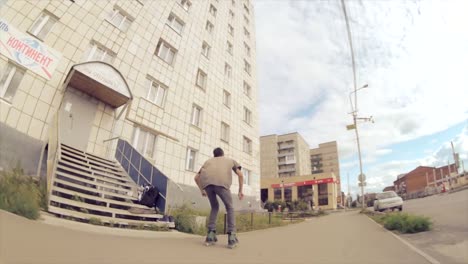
(455, 158)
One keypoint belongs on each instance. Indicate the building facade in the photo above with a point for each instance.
(175, 79)
(289, 156)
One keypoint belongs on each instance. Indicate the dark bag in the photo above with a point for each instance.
(149, 197)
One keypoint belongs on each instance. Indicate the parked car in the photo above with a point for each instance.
(388, 200)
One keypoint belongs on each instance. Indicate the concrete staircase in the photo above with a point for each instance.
(86, 186)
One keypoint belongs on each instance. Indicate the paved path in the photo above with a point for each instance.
(448, 241)
(336, 238)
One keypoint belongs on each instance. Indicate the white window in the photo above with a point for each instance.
(144, 142)
(247, 49)
(247, 67)
(247, 89)
(175, 23)
(206, 49)
(227, 70)
(224, 132)
(120, 19)
(247, 146)
(11, 77)
(246, 33)
(227, 98)
(231, 30)
(190, 159)
(165, 52)
(246, 20)
(246, 9)
(100, 53)
(209, 27)
(233, 2)
(201, 79)
(247, 115)
(43, 25)
(246, 174)
(229, 47)
(231, 14)
(196, 115)
(186, 4)
(156, 92)
(213, 10)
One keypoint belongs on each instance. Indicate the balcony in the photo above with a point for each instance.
(286, 146)
(286, 162)
(292, 169)
(284, 154)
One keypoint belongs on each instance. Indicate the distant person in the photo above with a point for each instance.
(215, 179)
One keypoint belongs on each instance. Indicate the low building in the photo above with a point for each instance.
(322, 188)
(389, 188)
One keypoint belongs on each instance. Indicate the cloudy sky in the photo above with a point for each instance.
(412, 54)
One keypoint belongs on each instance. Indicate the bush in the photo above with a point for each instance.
(21, 195)
(406, 223)
(95, 221)
(184, 218)
(154, 227)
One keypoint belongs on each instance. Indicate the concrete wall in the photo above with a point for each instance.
(269, 156)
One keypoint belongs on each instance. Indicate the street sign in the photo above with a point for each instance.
(362, 184)
(362, 177)
(350, 127)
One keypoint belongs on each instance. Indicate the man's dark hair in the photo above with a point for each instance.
(218, 152)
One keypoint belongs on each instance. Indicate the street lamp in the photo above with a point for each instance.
(354, 111)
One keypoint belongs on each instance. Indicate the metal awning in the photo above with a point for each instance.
(102, 81)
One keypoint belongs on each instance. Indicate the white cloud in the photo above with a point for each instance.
(412, 55)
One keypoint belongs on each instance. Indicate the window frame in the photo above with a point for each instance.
(249, 145)
(10, 74)
(247, 116)
(227, 70)
(37, 30)
(213, 10)
(106, 53)
(189, 159)
(208, 50)
(230, 47)
(151, 87)
(209, 27)
(169, 48)
(185, 4)
(148, 137)
(247, 89)
(125, 18)
(225, 132)
(196, 120)
(203, 85)
(175, 19)
(227, 99)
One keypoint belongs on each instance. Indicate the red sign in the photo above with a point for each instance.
(302, 183)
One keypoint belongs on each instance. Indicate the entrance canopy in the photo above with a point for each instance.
(102, 81)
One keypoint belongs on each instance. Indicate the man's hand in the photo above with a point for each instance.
(241, 195)
(203, 193)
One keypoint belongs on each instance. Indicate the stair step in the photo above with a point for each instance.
(64, 174)
(90, 168)
(122, 196)
(96, 176)
(68, 148)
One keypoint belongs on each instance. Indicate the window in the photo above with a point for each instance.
(323, 194)
(231, 30)
(247, 49)
(233, 2)
(247, 115)
(120, 19)
(231, 14)
(201, 79)
(213, 10)
(227, 70)
(304, 192)
(144, 142)
(247, 146)
(277, 194)
(190, 159)
(246, 67)
(165, 52)
(206, 50)
(288, 194)
(227, 98)
(247, 89)
(246, 174)
(246, 20)
(10, 79)
(175, 23)
(196, 115)
(209, 27)
(224, 132)
(229, 47)
(100, 53)
(246, 9)
(156, 92)
(186, 4)
(43, 25)
(246, 33)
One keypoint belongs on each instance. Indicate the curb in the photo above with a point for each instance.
(415, 249)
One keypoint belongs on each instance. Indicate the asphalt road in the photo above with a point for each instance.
(347, 237)
(448, 241)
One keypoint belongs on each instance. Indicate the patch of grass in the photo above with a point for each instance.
(184, 218)
(404, 223)
(22, 195)
(154, 227)
(95, 221)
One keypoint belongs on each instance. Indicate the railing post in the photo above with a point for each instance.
(269, 218)
(251, 219)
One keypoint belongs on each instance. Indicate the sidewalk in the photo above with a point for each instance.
(337, 238)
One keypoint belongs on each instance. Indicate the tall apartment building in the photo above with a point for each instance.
(324, 159)
(289, 170)
(173, 79)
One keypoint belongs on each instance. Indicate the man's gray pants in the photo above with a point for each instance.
(212, 191)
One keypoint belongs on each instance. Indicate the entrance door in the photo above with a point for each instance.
(77, 114)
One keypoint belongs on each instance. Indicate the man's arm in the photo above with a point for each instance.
(197, 180)
(241, 183)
